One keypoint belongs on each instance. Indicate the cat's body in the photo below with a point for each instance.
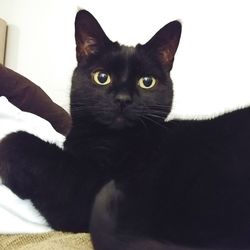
(192, 190)
(160, 184)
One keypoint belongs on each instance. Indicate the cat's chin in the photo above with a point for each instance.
(119, 123)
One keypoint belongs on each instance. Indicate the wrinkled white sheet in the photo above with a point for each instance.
(17, 215)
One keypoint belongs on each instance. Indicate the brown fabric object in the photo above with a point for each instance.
(46, 241)
(28, 97)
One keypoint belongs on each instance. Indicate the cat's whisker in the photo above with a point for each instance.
(162, 108)
(155, 122)
(159, 106)
(158, 113)
(143, 123)
(157, 116)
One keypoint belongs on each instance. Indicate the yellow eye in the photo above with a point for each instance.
(147, 82)
(101, 77)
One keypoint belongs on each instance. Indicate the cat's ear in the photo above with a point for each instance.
(165, 43)
(89, 36)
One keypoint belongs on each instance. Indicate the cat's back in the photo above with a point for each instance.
(195, 183)
(226, 131)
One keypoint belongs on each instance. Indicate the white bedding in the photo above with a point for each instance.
(17, 215)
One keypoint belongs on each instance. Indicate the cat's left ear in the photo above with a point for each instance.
(90, 37)
(165, 43)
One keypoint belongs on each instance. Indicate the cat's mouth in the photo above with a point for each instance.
(120, 122)
(117, 120)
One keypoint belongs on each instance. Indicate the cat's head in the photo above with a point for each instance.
(119, 86)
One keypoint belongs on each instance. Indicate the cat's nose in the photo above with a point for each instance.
(123, 99)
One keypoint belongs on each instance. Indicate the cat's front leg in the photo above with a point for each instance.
(104, 218)
(106, 228)
(27, 163)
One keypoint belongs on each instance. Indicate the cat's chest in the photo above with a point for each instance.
(136, 153)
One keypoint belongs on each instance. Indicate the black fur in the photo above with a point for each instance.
(160, 185)
(62, 183)
(192, 188)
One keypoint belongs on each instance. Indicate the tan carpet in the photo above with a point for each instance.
(46, 241)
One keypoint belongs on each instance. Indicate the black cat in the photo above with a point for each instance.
(177, 183)
(62, 183)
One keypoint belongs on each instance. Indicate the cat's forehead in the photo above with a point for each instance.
(123, 53)
(135, 60)
(119, 58)
(123, 60)
(127, 51)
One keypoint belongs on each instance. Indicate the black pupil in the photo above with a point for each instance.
(147, 81)
(102, 77)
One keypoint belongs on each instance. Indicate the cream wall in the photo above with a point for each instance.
(40, 43)
(211, 71)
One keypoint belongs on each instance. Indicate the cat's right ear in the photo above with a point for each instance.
(165, 43)
(89, 36)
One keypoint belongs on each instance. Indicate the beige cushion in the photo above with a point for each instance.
(46, 241)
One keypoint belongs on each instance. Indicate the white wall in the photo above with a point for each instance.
(211, 67)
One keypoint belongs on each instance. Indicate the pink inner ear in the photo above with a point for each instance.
(168, 51)
(86, 47)
(167, 56)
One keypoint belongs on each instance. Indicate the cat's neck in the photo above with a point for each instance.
(88, 132)
(107, 148)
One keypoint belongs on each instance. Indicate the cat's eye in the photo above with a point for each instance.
(101, 77)
(147, 82)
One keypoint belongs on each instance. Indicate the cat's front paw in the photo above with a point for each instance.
(22, 157)
(13, 150)
(103, 218)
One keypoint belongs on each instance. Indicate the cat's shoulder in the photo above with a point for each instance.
(234, 114)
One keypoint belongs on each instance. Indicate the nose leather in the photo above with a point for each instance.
(123, 99)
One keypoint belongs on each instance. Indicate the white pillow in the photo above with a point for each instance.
(13, 119)
(17, 215)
